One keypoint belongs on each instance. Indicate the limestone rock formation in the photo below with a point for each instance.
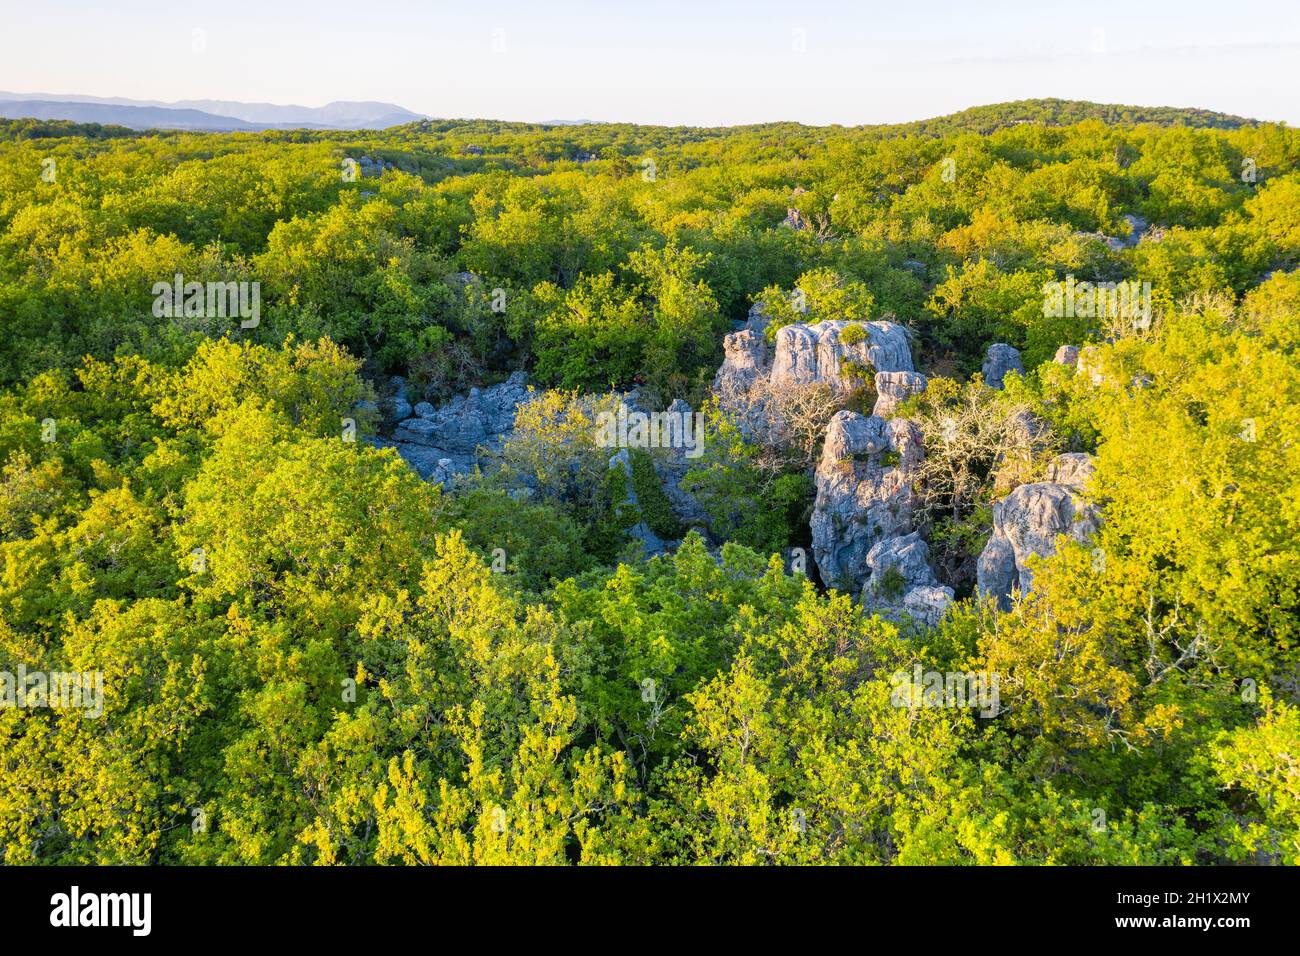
(641, 532)
(400, 409)
(756, 319)
(901, 582)
(864, 493)
(744, 361)
(998, 361)
(894, 388)
(813, 353)
(1030, 520)
(1067, 355)
(671, 467)
(754, 377)
(927, 604)
(816, 353)
(442, 442)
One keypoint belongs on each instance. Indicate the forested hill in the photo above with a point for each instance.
(977, 119)
(1054, 112)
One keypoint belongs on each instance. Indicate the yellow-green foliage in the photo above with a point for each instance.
(309, 655)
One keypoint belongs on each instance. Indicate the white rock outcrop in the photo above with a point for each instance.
(894, 388)
(901, 582)
(864, 493)
(1030, 521)
(805, 354)
(817, 353)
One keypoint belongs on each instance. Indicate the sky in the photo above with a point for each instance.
(671, 62)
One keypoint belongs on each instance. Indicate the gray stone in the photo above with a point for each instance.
(906, 556)
(901, 582)
(894, 388)
(651, 543)
(757, 319)
(1067, 355)
(806, 354)
(1073, 468)
(441, 443)
(744, 361)
(1137, 226)
(429, 463)
(928, 604)
(481, 417)
(995, 571)
(998, 361)
(751, 379)
(1030, 521)
(864, 493)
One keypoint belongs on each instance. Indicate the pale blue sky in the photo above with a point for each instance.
(664, 61)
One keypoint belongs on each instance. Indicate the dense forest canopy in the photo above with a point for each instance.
(309, 654)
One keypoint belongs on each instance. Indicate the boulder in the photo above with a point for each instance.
(998, 361)
(796, 356)
(443, 442)
(482, 417)
(901, 562)
(418, 431)
(744, 361)
(894, 388)
(864, 493)
(1136, 226)
(928, 604)
(901, 582)
(1073, 468)
(1067, 355)
(757, 318)
(429, 463)
(1030, 521)
(806, 354)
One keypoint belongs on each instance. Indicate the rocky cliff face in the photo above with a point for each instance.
(1030, 521)
(862, 532)
(862, 535)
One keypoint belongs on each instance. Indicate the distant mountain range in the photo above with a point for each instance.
(230, 115)
(206, 115)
